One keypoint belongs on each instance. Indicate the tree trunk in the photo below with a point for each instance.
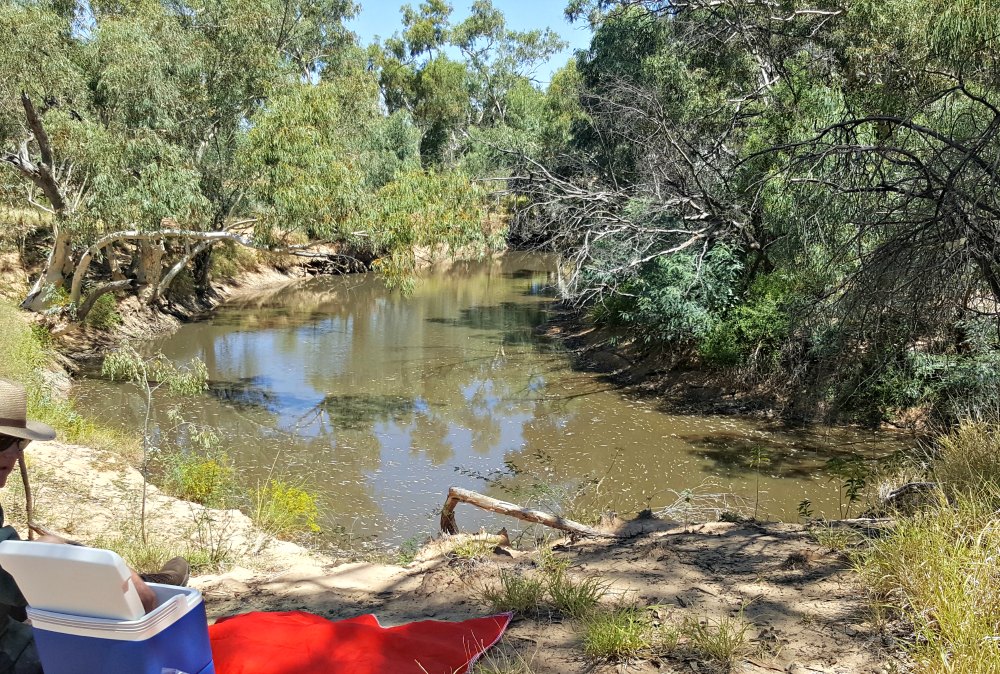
(179, 266)
(202, 271)
(92, 298)
(52, 277)
(150, 268)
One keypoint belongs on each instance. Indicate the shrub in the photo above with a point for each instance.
(755, 329)
(680, 298)
(209, 479)
(284, 509)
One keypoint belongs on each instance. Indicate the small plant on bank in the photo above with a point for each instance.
(760, 458)
(575, 598)
(722, 642)
(620, 633)
(284, 509)
(516, 592)
(151, 374)
(472, 549)
(208, 479)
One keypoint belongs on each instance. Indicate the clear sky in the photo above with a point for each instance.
(382, 18)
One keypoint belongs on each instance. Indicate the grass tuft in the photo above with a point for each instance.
(516, 592)
(619, 634)
(575, 598)
(472, 549)
(722, 642)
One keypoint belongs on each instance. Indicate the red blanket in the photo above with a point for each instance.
(302, 643)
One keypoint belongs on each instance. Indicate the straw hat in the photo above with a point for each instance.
(14, 415)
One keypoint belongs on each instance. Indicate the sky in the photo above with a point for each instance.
(382, 18)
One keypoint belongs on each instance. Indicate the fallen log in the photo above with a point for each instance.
(457, 495)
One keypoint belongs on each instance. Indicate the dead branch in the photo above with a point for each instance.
(457, 495)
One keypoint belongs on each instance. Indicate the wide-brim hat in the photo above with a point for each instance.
(14, 415)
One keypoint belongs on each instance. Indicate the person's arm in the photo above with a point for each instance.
(146, 594)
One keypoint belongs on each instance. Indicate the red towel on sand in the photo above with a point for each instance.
(301, 643)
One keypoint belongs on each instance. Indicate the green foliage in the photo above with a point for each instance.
(844, 283)
(195, 117)
(284, 509)
(126, 364)
(755, 329)
(208, 479)
(678, 299)
(104, 314)
(852, 475)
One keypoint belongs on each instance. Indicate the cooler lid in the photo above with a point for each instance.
(72, 579)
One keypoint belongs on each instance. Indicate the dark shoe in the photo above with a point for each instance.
(174, 572)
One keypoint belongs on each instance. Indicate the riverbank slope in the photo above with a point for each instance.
(797, 605)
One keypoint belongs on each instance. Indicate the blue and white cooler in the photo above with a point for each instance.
(87, 617)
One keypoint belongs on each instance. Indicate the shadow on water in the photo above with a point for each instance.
(795, 455)
(514, 322)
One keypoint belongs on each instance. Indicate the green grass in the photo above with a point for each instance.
(619, 634)
(968, 458)
(24, 356)
(142, 556)
(515, 591)
(472, 550)
(722, 642)
(575, 598)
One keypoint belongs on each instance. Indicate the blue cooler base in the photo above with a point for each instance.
(183, 646)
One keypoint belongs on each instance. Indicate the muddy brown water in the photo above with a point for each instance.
(378, 403)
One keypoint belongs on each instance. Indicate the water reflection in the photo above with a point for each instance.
(374, 400)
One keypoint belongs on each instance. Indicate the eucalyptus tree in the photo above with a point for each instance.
(131, 114)
(459, 78)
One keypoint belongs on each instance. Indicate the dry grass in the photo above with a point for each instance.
(937, 569)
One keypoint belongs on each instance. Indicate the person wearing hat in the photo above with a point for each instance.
(17, 647)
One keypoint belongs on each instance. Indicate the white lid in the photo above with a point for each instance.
(72, 579)
(173, 603)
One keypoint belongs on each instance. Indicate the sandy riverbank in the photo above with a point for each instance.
(805, 610)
